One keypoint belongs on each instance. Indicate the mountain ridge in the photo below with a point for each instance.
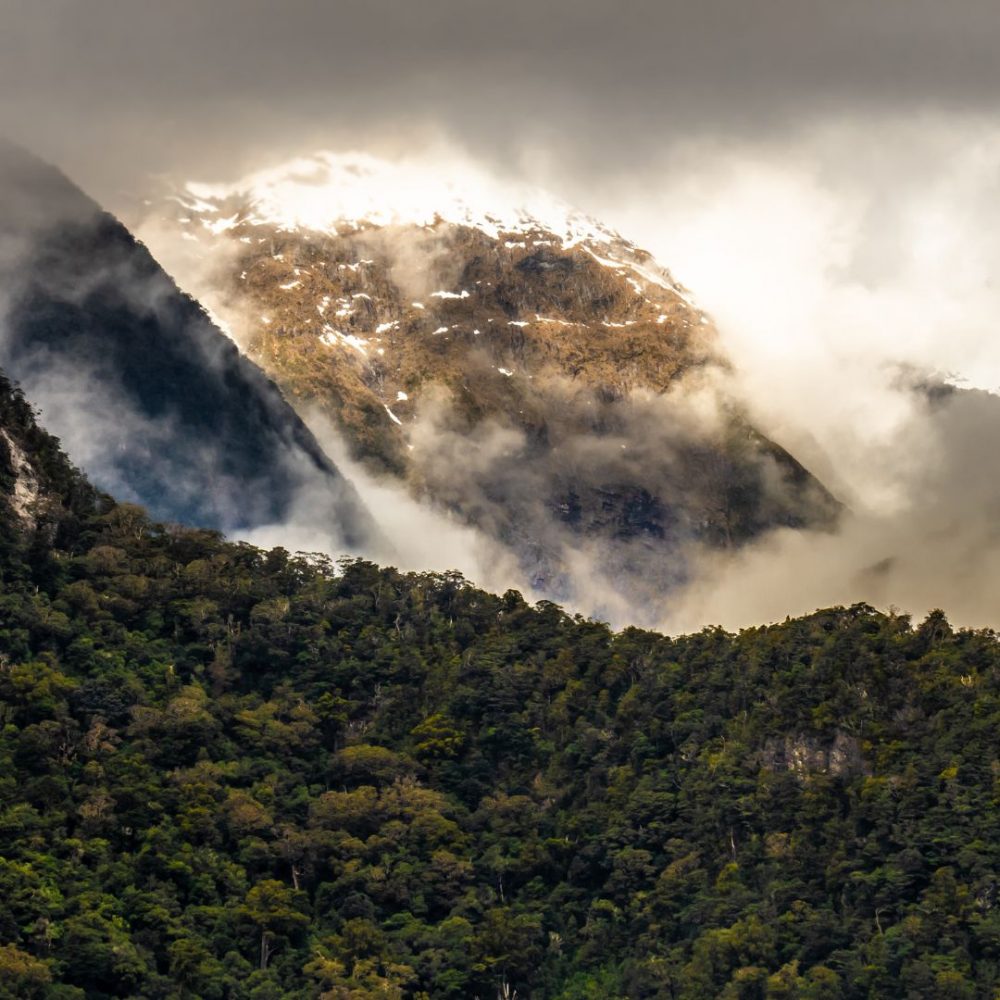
(554, 386)
(145, 391)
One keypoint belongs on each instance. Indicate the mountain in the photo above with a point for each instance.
(149, 397)
(507, 358)
(43, 498)
(234, 774)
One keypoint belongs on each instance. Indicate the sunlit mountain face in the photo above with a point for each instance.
(505, 358)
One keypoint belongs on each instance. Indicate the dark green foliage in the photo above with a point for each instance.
(229, 773)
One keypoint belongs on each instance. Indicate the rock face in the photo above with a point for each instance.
(40, 491)
(804, 755)
(147, 395)
(527, 369)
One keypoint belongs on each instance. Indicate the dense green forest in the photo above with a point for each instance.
(230, 773)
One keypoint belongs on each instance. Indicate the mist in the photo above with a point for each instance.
(823, 178)
(843, 268)
(848, 268)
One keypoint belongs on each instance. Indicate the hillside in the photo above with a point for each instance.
(229, 773)
(147, 395)
(527, 369)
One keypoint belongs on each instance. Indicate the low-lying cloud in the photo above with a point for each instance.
(848, 269)
(840, 268)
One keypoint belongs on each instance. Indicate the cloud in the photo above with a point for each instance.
(838, 266)
(415, 535)
(564, 519)
(842, 264)
(202, 87)
(146, 397)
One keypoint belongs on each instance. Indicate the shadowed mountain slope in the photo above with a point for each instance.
(148, 396)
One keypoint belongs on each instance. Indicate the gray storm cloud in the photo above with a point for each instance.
(111, 89)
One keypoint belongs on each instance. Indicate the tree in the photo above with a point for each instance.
(277, 911)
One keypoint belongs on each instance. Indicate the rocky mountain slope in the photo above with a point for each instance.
(525, 367)
(145, 392)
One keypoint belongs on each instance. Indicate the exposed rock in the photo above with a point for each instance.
(25, 491)
(804, 755)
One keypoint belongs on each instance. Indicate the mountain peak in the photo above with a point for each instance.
(342, 192)
(508, 359)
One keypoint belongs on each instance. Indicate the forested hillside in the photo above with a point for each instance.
(229, 773)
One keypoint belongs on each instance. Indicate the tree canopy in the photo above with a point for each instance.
(231, 773)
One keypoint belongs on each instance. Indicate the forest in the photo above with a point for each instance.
(235, 773)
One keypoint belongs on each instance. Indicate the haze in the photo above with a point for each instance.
(823, 177)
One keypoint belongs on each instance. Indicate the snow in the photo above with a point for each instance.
(220, 225)
(505, 371)
(331, 338)
(196, 205)
(330, 190)
(517, 322)
(384, 327)
(440, 329)
(401, 397)
(557, 322)
(290, 286)
(392, 416)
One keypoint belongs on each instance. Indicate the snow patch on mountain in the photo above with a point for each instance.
(340, 193)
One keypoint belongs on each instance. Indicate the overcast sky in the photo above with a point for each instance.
(111, 88)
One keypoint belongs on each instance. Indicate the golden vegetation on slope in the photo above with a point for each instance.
(563, 398)
(354, 321)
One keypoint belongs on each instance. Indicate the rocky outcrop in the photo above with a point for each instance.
(804, 755)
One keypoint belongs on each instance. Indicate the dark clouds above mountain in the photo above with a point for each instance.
(198, 85)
